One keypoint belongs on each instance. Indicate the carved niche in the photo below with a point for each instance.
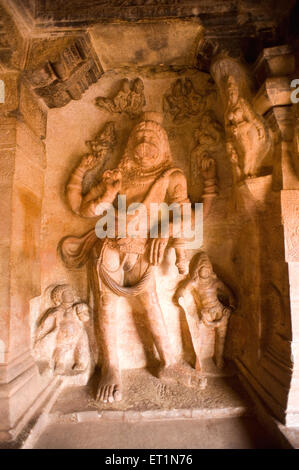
(249, 141)
(208, 137)
(68, 77)
(125, 265)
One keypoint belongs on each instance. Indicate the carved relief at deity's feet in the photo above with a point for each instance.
(184, 374)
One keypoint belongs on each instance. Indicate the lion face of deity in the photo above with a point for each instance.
(147, 148)
(205, 272)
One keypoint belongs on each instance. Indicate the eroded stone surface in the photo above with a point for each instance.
(231, 144)
(146, 394)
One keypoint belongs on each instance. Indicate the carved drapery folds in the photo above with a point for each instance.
(68, 77)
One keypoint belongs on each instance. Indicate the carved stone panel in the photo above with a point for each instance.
(68, 77)
(60, 336)
(184, 102)
(130, 99)
(131, 281)
(207, 303)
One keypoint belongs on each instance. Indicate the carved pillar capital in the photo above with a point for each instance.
(68, 76)
(273, 72)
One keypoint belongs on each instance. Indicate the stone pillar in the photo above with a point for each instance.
(275, 376)
(23, 123)
(22, 165)
(290, 220)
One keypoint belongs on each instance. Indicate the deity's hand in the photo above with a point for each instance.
(82, 311)
(112, 180)
(208, 167)
(181, 261)
(182, 266)
(88, 162)
(179, 295)
(157, 250)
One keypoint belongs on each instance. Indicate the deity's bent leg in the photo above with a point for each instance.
(109, 388)
(198, 335)
(151, 305)
(81, 355)
(60, 359)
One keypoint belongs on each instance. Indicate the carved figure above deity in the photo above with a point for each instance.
(123, 265)
(101, 147)
(184, 102)
(207, 303)
(130, 99)
(61, 337)
(104, 141)
(248, 139)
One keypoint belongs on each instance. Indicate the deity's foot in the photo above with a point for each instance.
(109, 389)
(184, 374)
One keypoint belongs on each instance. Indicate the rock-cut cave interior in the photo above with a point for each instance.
(149, 263)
